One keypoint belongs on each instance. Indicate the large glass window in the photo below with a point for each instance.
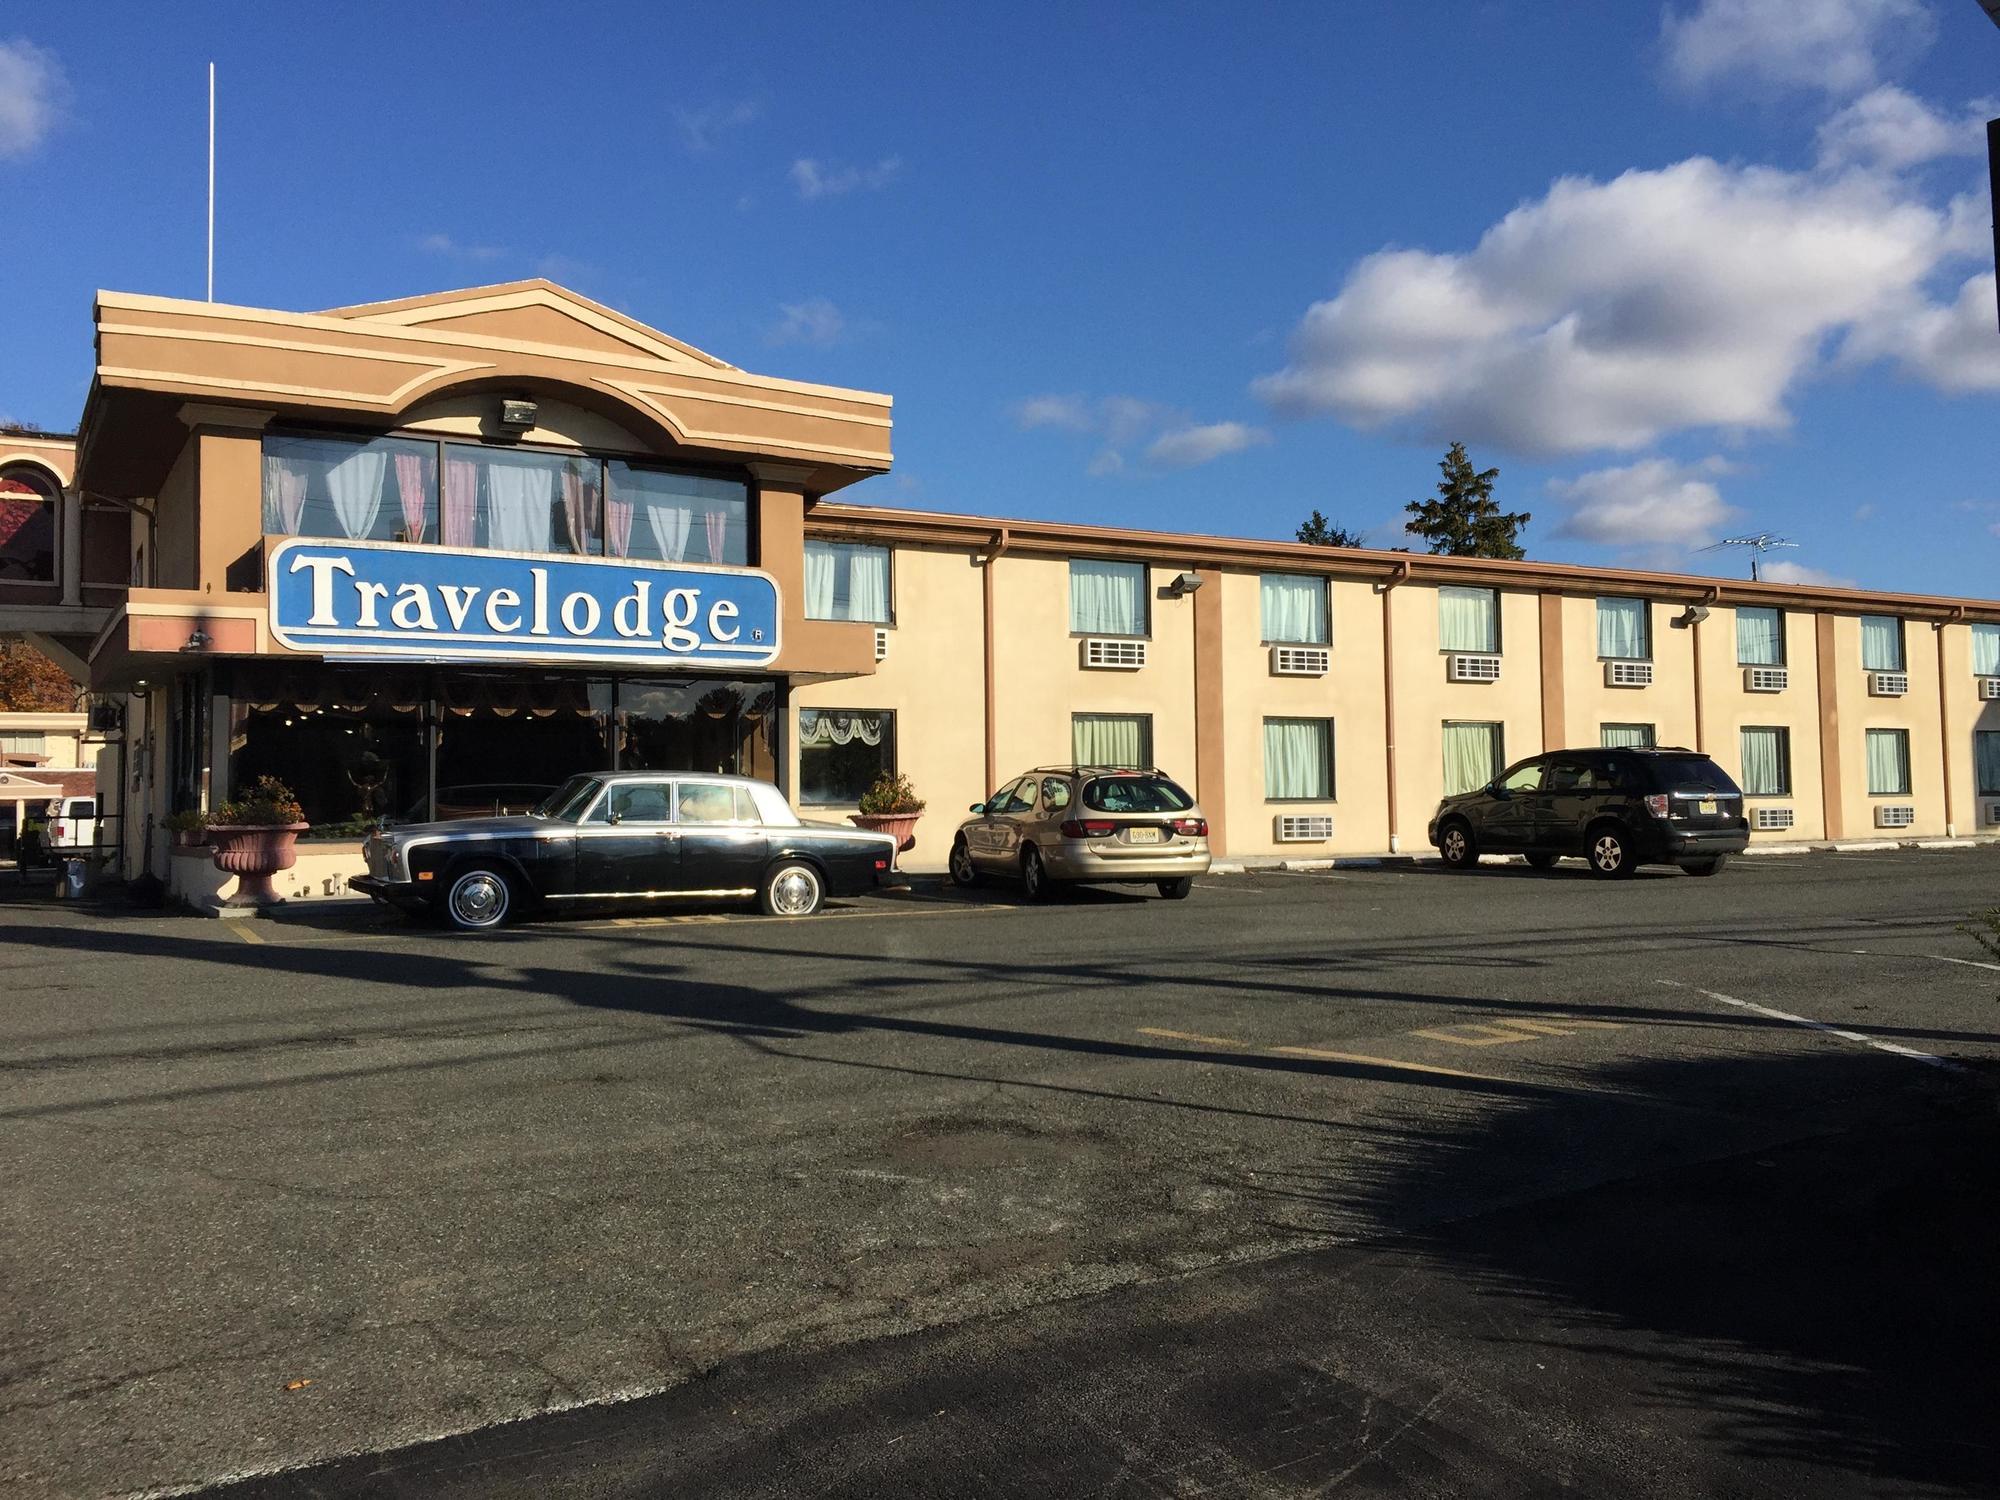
(1294, 609)
(1881, 643)
(1760, 638)
(1986, 761)
(1986, 650)
(378, 490)
(1622, 630)
(1888, 762)
(841, 753)
(27, 526)
(668, 517)
(847, 581)
(1119, 741)
(351, 742)
(1625, 736)
(1471, 756)
(697, 724)
(1468, 620)
(1107, 598)
(1298, 760)
(1767, 761)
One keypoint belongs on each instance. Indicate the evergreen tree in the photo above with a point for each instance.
(1465, 520)
(1320, 532)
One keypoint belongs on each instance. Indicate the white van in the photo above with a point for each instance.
(72, 824)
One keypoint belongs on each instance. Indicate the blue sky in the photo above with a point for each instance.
(1679, 271)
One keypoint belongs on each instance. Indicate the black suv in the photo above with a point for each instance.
(1618, 809)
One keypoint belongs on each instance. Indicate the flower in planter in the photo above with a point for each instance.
(890, 796)
(267, 804)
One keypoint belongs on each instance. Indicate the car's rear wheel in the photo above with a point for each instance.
(1177, 890)
(1610, 852)
(1707, 866)
(963, 871)
(1540, 861)
(1457, 845)
(478, 899)
(792, 889)
(1034, 878)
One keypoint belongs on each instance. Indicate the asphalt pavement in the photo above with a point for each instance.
(1393, 1181)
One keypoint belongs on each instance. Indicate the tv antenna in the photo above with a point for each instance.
(1757, 545)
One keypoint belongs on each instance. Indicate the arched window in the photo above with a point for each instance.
(27, 525)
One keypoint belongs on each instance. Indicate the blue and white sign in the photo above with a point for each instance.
(453, 604)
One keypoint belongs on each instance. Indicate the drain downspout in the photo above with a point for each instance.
(1401, 575)
(993, 553)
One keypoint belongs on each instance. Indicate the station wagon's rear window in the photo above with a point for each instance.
(1135, 794)
(1692, 771)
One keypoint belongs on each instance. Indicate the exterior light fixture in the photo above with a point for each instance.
(1185, 583)
(198, 640)
(519, 415)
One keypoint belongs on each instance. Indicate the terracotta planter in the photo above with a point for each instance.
(253, 853)
(902, 825)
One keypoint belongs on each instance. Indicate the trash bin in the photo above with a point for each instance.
(74, 878)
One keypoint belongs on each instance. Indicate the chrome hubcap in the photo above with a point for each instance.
(794, 893)
(1031, 874)
(479, 899)
(1454, 844)
(1609, 853)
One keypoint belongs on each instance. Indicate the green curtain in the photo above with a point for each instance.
(1888, 762)
(1881, 643)
(1760, 638)
(1471, 756)
(1986, 756)
(1621, 630)
(1120, 740)
(1625, 736)
(1468, 620)
(1107, 598)
(1298, 759)
(1986, 650)
(1766, 754)
(1294, 608)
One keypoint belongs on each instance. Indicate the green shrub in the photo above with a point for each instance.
(270, 802)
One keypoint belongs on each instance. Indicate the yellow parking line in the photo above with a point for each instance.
(243, 930)
(1501, 1033)
(1319, 1054)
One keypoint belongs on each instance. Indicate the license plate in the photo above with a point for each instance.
(1706, 807)
(1142, 835)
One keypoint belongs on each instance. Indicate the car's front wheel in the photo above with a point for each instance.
(963, 871)
(1177, 890)
(1456, 844)
(792, 889)
(1610, 853)
(478, 899)
(1707, 866)
(1034, 878)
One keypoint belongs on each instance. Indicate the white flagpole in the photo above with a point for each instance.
(211, 182)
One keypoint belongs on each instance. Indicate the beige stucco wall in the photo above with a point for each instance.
(1967, 713)
(1588, 704)
(1727, 706)
(1917, 711)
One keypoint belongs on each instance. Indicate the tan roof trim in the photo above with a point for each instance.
(940, 529)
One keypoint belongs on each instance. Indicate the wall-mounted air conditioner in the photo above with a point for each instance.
(1888, 684)
(881, 645)
(1770, 819)
(1989, 814)
(1628, 674)
(1114, 655)
(1766, 679)
(1463, 667)
(1311, 828)
(1300, 661)
(1895, 815)
(1989, 687)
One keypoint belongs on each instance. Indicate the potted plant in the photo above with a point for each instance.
(891, 805)
(255, 836)
(190, 829)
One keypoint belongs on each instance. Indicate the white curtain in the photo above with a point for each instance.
(1468, 620)
(284, 496)
(1107, 599)
(1298, 759)
(819, 581)
(1109, 740)
(1888, 762)
(1764, 756)
(355, 483)
(1294, 608)
(669, 525)
(520, 501)
(868, 584)
(1881, 643)
(1986, 650)
(1760, 638)
(1625, 736)
(1621, 629)
(1986, 757)
(818, 727)
(1471, 756)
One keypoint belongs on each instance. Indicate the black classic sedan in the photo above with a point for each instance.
(626, 838)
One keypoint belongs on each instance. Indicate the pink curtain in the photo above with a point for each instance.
(579, 497)
(717, 523)
(618, 526)
(286, 487)
(461, 500)
(410, 489)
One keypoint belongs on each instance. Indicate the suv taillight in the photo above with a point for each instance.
(1089, 828)
(1658, 804)
(1191, 828)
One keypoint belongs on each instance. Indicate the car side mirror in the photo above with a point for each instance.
(614, 817)
(977, 807)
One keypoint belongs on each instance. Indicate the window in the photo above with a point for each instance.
(1471, 756)
(1767, 761)
(1760, 638)
(662, 516)
(27, 526)
(1574, 776)
(1625, 736)
(1135, 794)
(381, 490)
(1055, 794)
(1017, 798)
(1623, 632)
(1468, 620)
(847, 581)
(1294, 609)
(841, 753)
(713, 802)
(1526, 777)
(24, 742)
(1986, 761)
(1881, 643)
(1888, 762)
(1107, 598)
(1124, 741)
(637, 802)
(1298, 760)
(1986, 650)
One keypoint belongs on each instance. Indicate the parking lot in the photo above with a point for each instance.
(1396, 1179)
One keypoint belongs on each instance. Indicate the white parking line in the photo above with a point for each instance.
(1970, 963)
(1849, 1036)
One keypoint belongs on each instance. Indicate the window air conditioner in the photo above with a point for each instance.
(1114, 655)
(1467, 668)
(1628, 674)
(1989, 687)
(1888, 684)
(1768, 819)
(1898, 815)
(1300, 661)
(1293, 828)
(881, 645)
(1766, 679)
(1989, 814)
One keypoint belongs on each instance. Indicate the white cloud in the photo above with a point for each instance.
(445, 245)
(699, 129)
(1070, 413)
(1889, 128)
(816, 179)
(1837, 47)
(1652, 502)
(1185, 447)
(1605, 314)
(1790, 572)
(1953, 347)
(815, 321)
(33, 91)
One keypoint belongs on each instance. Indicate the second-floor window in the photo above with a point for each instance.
(1468, 620)
(1622, 630)
(1760, 638)
(1881, 643)
(1293, 607)
(1986, 650)
(847, 581)
(1107, 598)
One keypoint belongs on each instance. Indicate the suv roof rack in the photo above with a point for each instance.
(1080, 770)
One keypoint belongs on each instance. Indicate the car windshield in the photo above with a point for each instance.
(567, 802)
(1692, 771)
(1135, 794)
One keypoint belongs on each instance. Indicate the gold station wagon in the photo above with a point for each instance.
(1061, 825)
